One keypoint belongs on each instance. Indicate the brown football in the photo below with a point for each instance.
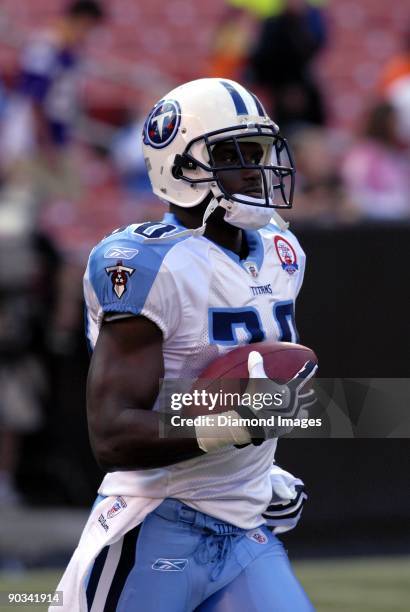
(229, 373)
(282, 360)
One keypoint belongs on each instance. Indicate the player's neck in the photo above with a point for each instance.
(226, 236)
(217, 230)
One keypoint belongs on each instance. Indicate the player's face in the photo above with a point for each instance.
(244, 181)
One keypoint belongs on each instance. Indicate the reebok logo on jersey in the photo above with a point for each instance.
(261, 289)
(120, 253)
(170, 565)
(257, 535)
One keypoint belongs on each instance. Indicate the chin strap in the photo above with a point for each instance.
(213, 205)
(281, 223)
(217, 193)
(197, 231)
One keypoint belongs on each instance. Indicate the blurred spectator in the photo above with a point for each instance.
(38, 127)
(28, 264)
(395, 86)
(321, 198)
(126, 151)
(376, 170)
(39, 122)
(232, 41)
(3, 100)
(282, 62)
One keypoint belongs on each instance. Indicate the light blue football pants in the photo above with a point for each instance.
(180, 560)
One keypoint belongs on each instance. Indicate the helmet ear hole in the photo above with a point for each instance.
(176, 172)
(182, 161)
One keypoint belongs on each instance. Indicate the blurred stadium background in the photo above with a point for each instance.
(337, 76)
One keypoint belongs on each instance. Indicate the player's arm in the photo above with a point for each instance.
(123, 383)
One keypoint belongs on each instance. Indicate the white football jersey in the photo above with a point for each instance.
(206, 301)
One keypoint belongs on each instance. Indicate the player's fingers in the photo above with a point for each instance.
(307, 396)
(303, 375)
(288, 504)
(307, 399)
(255, 365)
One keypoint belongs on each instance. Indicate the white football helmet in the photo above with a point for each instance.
(183, 127)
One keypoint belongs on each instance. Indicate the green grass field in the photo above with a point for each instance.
(348, 585)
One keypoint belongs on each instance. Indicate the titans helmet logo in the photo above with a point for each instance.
(162, 124)
(119, 277)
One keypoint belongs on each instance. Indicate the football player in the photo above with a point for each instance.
(178, 524)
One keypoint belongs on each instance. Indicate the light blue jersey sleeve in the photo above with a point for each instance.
(127, 276)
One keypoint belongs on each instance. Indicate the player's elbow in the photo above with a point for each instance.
(118, 453)
(105, 455)
(110, 457)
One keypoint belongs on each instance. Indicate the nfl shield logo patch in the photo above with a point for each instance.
(252, 268)
(257, 535)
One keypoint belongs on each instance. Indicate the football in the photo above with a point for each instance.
(229, 373)
(282, 360)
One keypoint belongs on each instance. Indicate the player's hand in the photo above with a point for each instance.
(286, 505)
(294, 399)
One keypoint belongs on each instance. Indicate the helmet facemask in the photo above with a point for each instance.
(276, 168)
